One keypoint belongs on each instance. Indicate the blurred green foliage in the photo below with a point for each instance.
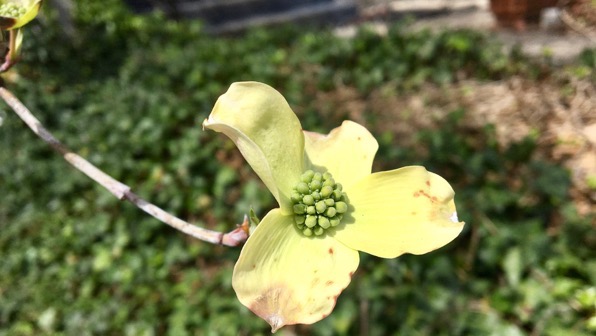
(129, 93)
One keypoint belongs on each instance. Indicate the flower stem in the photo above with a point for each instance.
(11, 56)
(121, 191)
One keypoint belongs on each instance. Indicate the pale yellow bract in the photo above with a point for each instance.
(287, 278)
(17, 13)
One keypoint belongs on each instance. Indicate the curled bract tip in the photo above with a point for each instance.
(276, 322)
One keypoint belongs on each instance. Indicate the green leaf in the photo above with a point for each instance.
(512, 264)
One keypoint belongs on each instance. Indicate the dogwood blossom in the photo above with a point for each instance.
(303, 254)
(16, 13)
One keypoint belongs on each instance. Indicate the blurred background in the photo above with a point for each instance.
(496, 96)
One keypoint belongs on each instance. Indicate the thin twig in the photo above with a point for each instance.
(123, 192)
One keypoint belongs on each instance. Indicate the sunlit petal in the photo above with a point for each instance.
(407, 210)
(286, 278)
(267, 132)
(347, 152)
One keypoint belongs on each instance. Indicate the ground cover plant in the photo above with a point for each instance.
(130, 93)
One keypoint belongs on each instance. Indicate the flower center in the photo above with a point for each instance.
(319, 203)
(12, 10)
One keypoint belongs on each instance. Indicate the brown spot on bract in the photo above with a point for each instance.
(416, 194)
(329, 283)
(428, 183)
(351, 274)
(331, 250)
(423, 193)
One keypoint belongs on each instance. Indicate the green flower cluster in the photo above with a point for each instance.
(12, 10)
(318, 203)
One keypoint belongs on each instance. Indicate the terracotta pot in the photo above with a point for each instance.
(517, 13)
(509, 13)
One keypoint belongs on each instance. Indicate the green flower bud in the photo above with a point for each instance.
(310, 221)
(316, 195)
(307, 232)
(307, 176)
(323, 222)
(321, 207)
(334, 221)
(337, 195)
(330, 212)
(308, 200)
(326, 191)
(299, 209)
(341, 207)
(315, 185)
(311, 210)
(330, 183)
(329, 202)
(302, 188)
(298, 219)
(318, 231)
(317, 177)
